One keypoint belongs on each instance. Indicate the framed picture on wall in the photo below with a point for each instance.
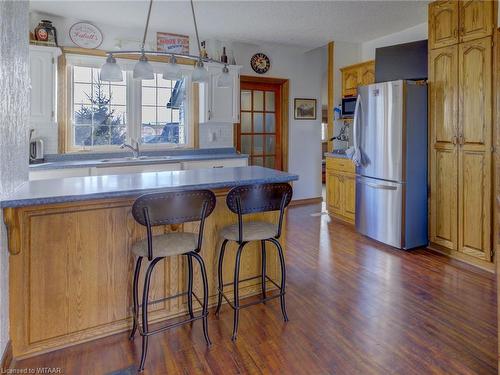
(304, 109)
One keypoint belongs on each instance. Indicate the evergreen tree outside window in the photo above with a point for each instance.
(100, 109)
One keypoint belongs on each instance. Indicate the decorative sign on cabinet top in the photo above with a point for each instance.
(85, 35)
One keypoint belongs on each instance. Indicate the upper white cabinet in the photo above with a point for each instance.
(220, 104)
(43, 73)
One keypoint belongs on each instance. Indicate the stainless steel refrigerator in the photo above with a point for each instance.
(391, 180)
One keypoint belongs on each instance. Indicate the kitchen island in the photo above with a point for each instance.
(70, 253)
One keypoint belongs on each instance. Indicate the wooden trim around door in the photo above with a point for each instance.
(285, 100)
(331, 91)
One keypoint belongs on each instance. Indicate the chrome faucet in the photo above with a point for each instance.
(135, 150)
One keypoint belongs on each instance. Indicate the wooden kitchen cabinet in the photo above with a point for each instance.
(474, 139)
(475, 19)
(357, 75)
(443, 122)
(452, 22)
(460, 120)
(335, 192)
(443, 23)
(367, 73)
(350, 81)
(341, 188)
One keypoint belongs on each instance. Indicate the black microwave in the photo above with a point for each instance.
(348, 106)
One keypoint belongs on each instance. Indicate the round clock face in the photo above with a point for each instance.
(260, 63)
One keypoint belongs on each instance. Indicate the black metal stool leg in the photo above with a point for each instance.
(221, 282)
(190, 285)
(205, 296)
(283, 278)
(236, 290)
(263, 274)
(135, 295)
(145, 298)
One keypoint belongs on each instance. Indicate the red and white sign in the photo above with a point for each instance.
(174, 43)
(85, 35)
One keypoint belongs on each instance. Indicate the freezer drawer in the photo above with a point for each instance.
(379, 210)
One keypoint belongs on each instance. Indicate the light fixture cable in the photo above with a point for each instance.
(195, 28)
(147, 25)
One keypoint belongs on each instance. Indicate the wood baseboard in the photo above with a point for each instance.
(299, 202)
(6, 358)
(463, 258)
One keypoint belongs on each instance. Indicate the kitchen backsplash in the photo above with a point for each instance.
(216, 135)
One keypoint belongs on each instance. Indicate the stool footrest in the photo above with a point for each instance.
(262, 300)
(139, 325)
(171, 297)
(174, 325)
(253, 278)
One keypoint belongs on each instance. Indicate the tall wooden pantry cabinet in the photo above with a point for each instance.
(460, 120)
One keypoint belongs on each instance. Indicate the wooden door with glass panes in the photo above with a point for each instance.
(259, 131)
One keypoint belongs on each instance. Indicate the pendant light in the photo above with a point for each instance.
(111, 71)
(143, 69)
(225, 79)
(200, 73)
(172, 70)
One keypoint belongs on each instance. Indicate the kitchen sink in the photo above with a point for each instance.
(130, 159)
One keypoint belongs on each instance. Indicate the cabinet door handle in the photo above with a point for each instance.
(218, 166)
(461, 139)
(209, 114)
(454, 140)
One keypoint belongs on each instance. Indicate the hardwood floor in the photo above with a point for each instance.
(355, 307)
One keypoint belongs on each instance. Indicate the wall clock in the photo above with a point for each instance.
(260, 63)
(85, 35)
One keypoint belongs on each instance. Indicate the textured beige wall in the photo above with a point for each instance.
(14, 111)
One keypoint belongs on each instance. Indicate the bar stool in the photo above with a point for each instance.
(248, 200)
(157, 209)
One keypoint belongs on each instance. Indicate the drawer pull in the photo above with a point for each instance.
(218, 166)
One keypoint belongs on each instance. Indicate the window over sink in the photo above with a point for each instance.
(103, 115)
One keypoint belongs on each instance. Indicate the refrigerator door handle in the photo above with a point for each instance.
(378, 186)
(354, 152)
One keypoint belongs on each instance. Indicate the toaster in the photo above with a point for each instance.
(36, 151)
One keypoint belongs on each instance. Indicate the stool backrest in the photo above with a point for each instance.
(250, 199)
(179, 207)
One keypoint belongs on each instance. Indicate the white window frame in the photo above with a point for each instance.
(134, 110)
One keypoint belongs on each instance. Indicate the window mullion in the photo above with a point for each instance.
(133, 107)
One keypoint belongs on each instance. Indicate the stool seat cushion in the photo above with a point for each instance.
(168, 244)
(252, 231)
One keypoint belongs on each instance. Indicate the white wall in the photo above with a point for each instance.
(14, 104)
(304, 72)
(418, 32)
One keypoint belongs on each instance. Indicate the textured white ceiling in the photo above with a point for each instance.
(308, 24)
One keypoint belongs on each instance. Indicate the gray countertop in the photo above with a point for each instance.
(115, 160)
(72, 189)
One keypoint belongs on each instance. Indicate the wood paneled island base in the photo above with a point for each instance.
(71, 270)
